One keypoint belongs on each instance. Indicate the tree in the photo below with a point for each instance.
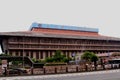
(90, 57)
(58, 57)
(86, 56)
(94, 59)
(3, 54)
(49, 59)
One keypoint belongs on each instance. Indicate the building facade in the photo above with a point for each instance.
(42, 40)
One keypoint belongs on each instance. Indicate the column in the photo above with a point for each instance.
(39, 55)
(61, 52)
(70, 54)
(34, 54)
(29, 54)
(53, 53)
(44, 55)
(67, 52)
(13, 53)
(18, 53)
(48, 53)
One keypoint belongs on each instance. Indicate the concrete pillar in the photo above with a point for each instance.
(61, 52)
(48, 53)
(13, 53)
(70, 54)
(18, 53)
(34, 55)
(23, 52)
(53, 53)
(66, 53)
(43, 54)
(29, 54)
(39, 55)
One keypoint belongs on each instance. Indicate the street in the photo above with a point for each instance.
(97, 75)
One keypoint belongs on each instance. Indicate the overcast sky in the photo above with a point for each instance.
(18, 15)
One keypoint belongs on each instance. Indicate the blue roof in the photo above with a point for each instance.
(53, 26)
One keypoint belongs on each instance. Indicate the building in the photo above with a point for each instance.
(42, 40)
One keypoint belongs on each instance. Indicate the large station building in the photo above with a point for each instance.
(42, 40)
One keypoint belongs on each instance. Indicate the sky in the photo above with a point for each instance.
(18, 15)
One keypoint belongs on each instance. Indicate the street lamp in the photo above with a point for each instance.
(23, 52)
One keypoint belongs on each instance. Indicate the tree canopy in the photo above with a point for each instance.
(58, 57)
(89, 56)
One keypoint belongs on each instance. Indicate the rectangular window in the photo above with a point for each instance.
(21, 53)
(27, 54)
(41, 54)
(46, 54)
(17, 54)
(31, 54)
(67, 54)
(50, 53)
(37, 54)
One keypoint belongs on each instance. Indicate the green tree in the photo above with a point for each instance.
(34, 60)
(86, 56)
(58, 57)
(3, 54)
(49, 59)
(94, 58)
(90, 57)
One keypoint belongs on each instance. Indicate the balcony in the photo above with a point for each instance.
(31, 43)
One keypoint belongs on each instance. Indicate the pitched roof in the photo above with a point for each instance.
(37, 34)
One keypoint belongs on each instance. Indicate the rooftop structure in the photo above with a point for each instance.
(53, 26)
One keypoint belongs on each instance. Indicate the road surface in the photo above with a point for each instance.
(97, 75)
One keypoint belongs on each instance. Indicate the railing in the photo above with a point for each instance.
(53, 48)
(85, 44)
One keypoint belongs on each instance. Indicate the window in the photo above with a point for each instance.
(37, 55)
(27, 53)
(31, 54)
(41, 55)
(17, 53)
(46, 54)
(21, 53)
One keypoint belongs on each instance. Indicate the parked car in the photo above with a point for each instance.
(17, 71)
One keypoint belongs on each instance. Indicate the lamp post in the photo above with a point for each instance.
(23, 52)
(108, 49)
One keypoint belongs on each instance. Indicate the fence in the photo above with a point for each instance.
(69, 69)
(65, 69)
